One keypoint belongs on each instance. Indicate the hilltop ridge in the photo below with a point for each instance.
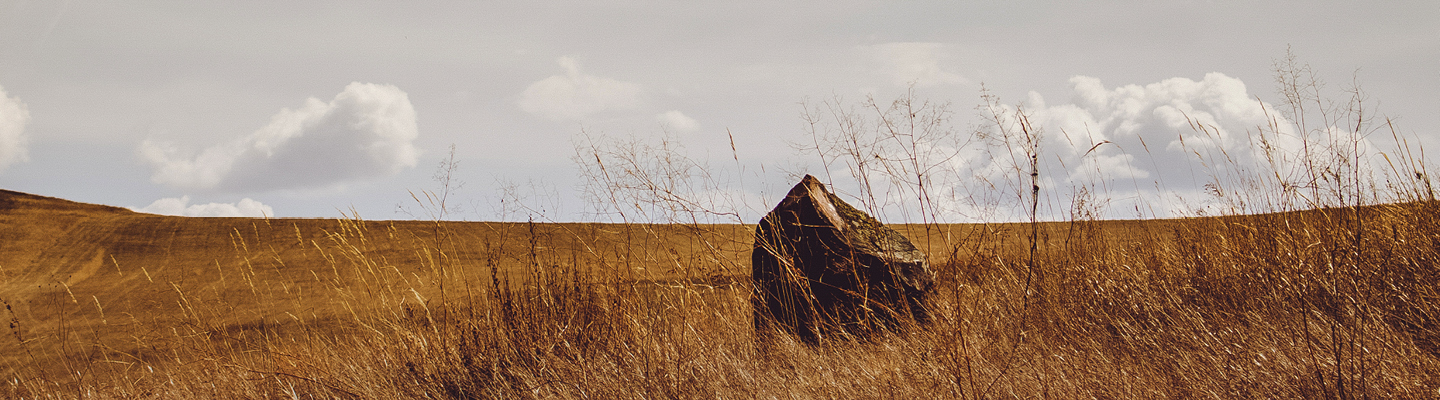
(11, 200)
(109, 272)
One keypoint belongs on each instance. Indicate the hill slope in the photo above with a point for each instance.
(1319, 303)
(73, 272)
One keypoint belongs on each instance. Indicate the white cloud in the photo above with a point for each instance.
(677, 121)
(14, 115)
(1157, 150)
(181, 206)
(367, 131)
(1170, 148)
(1159, 114)
(1160, 144)
(576, 95)
(913, 62)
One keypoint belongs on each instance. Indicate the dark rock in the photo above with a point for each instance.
(822, 267)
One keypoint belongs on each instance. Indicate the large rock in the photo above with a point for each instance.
(821, 267)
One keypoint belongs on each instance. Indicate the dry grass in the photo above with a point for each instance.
(1276, 305)
(1327, 290)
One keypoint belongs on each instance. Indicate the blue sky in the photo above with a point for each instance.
(311, 109)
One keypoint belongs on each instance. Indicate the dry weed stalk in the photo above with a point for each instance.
(1319, 282)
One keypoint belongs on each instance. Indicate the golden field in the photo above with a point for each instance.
(107, 303)
(1318, 280)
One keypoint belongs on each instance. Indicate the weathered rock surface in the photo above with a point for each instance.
(822, 267)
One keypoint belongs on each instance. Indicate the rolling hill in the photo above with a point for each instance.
(105, 302)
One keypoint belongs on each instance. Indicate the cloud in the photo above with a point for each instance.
(1162, 116)
(367, 131)
(14, 115)
(912, 62)
(576, 95)
(1161, 144)
(677, 121)
(181, 206)
(1176, 147)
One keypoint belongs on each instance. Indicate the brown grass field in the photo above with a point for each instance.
(1320, 280)
(107, 303)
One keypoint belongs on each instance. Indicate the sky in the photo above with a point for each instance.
(325, 109)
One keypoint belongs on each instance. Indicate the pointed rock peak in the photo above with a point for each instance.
(810, 188)
(811, 180)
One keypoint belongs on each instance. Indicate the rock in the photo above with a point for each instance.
(822, 267)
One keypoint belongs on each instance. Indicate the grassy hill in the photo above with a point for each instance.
(104, 302)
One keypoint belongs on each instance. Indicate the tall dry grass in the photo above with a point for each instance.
(1324, 290)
